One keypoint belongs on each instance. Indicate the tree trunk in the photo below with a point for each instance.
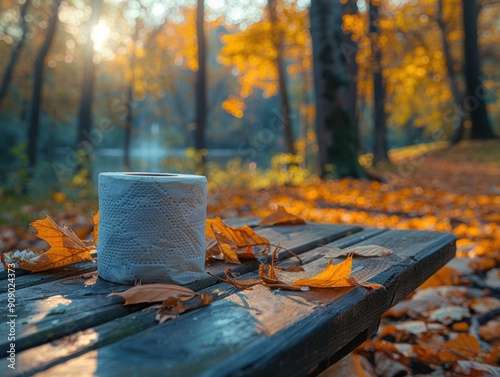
(380, 127)
(7, 76)
(458, 97)
(201, 81)
(283, 92)
(350, 49)
(85, 109)
(475, 101)
(334, 124)
(130, 103)
(34, 123)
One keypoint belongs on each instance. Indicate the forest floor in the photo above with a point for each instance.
(451, 325)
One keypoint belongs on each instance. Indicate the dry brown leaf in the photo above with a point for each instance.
(238, 283)
(281, 217)
(148, 293)
(360, 251)
(174, 306)
(291, 268)
(65, 248)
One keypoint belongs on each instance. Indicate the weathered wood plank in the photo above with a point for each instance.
(259, 332)
(62, 307)
(46, 355)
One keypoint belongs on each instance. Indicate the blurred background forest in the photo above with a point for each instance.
(227, 88)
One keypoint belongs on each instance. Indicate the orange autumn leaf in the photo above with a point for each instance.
(281, 217)
(65, 248)
(243, 236)
(445, 276)
(463, 346)
(233, 243)
(334, 276)
(149, 293)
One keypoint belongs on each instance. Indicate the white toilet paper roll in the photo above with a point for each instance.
(151, 227)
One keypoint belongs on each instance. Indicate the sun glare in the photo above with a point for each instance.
(100, 34)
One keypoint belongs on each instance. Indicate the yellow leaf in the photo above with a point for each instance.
(334, 275)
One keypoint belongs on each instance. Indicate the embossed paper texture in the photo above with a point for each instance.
(151, 228)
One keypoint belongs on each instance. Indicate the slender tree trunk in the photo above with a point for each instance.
(458, 97)
(87, 92)
(380, 126)
(16, 51)
(130, 103)
(283, 92)
(334, 123)
(475, 101)
(201, 82)
(350, 49)
(34, 122)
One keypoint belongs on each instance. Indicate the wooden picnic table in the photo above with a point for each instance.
(66, 325)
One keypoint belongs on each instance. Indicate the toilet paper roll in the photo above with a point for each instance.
(151, 227)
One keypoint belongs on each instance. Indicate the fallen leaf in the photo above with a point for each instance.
(281, 217)
(65, 248)
(360, 251)
(334, 276)
(490, 331)
(449, 314)
(174, 306)
(147, 293)
(95, 231)
(473, 368)
(238, 283)
(444, 276)
(291, 268)
(231, 243)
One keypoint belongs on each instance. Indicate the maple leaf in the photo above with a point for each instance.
(281, 217)
(148, 293)
(334, 276)
(65, 248)
(229, 242)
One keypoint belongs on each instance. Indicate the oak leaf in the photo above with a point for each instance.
(149, 293)
(65, 248)
(282, 217)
